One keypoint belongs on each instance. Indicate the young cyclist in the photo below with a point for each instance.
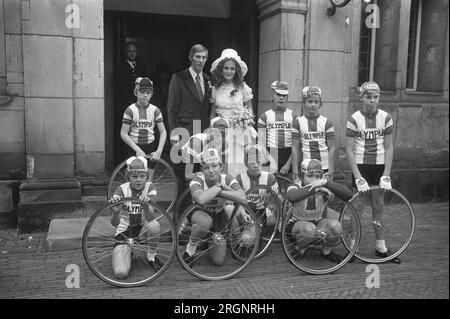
(369, 151)
(133, 219)
(206, 187)
(311, 219)
(275, 127)
(315, 133)
(139, 120)
(254, 157)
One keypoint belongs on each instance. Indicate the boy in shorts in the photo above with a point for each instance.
(139, 120)
(275, 127)
(206, 187)
(311, 219)
(369, 151)
(315, 134)
(133, 220)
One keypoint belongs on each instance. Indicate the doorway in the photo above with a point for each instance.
(163, 43)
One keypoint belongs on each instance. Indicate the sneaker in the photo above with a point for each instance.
(386, 254)
(188, 259)
(156, 264)
(332, 257)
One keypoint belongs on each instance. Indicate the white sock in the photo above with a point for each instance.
(352, 243)
(191, 247)
(151, 255)
(381, 246)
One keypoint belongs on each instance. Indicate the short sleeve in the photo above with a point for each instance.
(247, 93)
(389, 124)
(329, 129)
(158, 116)
(351, 130)
(296, 128)
(128, 116)
(262, 120)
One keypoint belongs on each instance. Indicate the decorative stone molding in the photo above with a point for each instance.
(269, 8)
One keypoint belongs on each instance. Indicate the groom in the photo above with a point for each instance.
(188, 99)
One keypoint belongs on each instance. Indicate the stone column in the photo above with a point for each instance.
(328, 63)
(281, 49)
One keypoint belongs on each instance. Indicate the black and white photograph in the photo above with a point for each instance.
(220, 157)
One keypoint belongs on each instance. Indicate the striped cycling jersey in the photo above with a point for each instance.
(368, 131)
(131, 215)
(314, 134)
(264, 179)
(309, 209)
(278, 125)
(142, 122)
(217, 204)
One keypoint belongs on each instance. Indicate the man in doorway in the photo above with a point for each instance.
(188, 100)
(128, 71)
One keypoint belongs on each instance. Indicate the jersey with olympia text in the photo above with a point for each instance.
(368, 131)
(132, 212)
(314, 134)
(263, 179)
(142, 121)
(216, 205)
(309, 209)
(278, 126)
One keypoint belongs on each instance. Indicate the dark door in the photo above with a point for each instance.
(163, 43)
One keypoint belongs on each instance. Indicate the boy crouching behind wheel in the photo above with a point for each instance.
(212, 191)
(311, 219)
(133, 220)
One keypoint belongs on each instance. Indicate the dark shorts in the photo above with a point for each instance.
(131, 232)
(147, 148)
(281, 155)
(371, 173)
(219, 219)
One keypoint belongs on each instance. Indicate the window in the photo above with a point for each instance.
(413, 43)
(433, 17)
(378, 52)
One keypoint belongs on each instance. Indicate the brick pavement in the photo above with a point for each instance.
(27, 270)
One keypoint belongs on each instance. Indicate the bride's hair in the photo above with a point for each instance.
(238, 79)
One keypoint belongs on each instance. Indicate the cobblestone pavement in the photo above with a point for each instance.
(27, 270)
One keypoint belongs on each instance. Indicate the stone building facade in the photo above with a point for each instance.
(56, 69)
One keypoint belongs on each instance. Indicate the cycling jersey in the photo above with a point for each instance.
(368, 131)
(278, 125)
(263, 179)
(131, 215)
(142, 122)
(314, 134)
(217, 204)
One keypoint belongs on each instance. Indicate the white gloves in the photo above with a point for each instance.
(361, 185)
(385, 182)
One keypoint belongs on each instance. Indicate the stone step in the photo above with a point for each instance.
(65, 234)
(34, 217)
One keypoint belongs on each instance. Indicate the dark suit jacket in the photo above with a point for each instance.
(184, 104)
(126, 77)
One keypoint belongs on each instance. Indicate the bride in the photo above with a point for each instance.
(231, 99)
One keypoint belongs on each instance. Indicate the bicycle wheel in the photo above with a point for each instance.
(265, 204)
(305, 241)
(99, 242)
(283, 184)
(161, 175)
(393, 221)
(228, 232)
(182, 203)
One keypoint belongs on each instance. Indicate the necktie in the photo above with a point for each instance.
(199, 87)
